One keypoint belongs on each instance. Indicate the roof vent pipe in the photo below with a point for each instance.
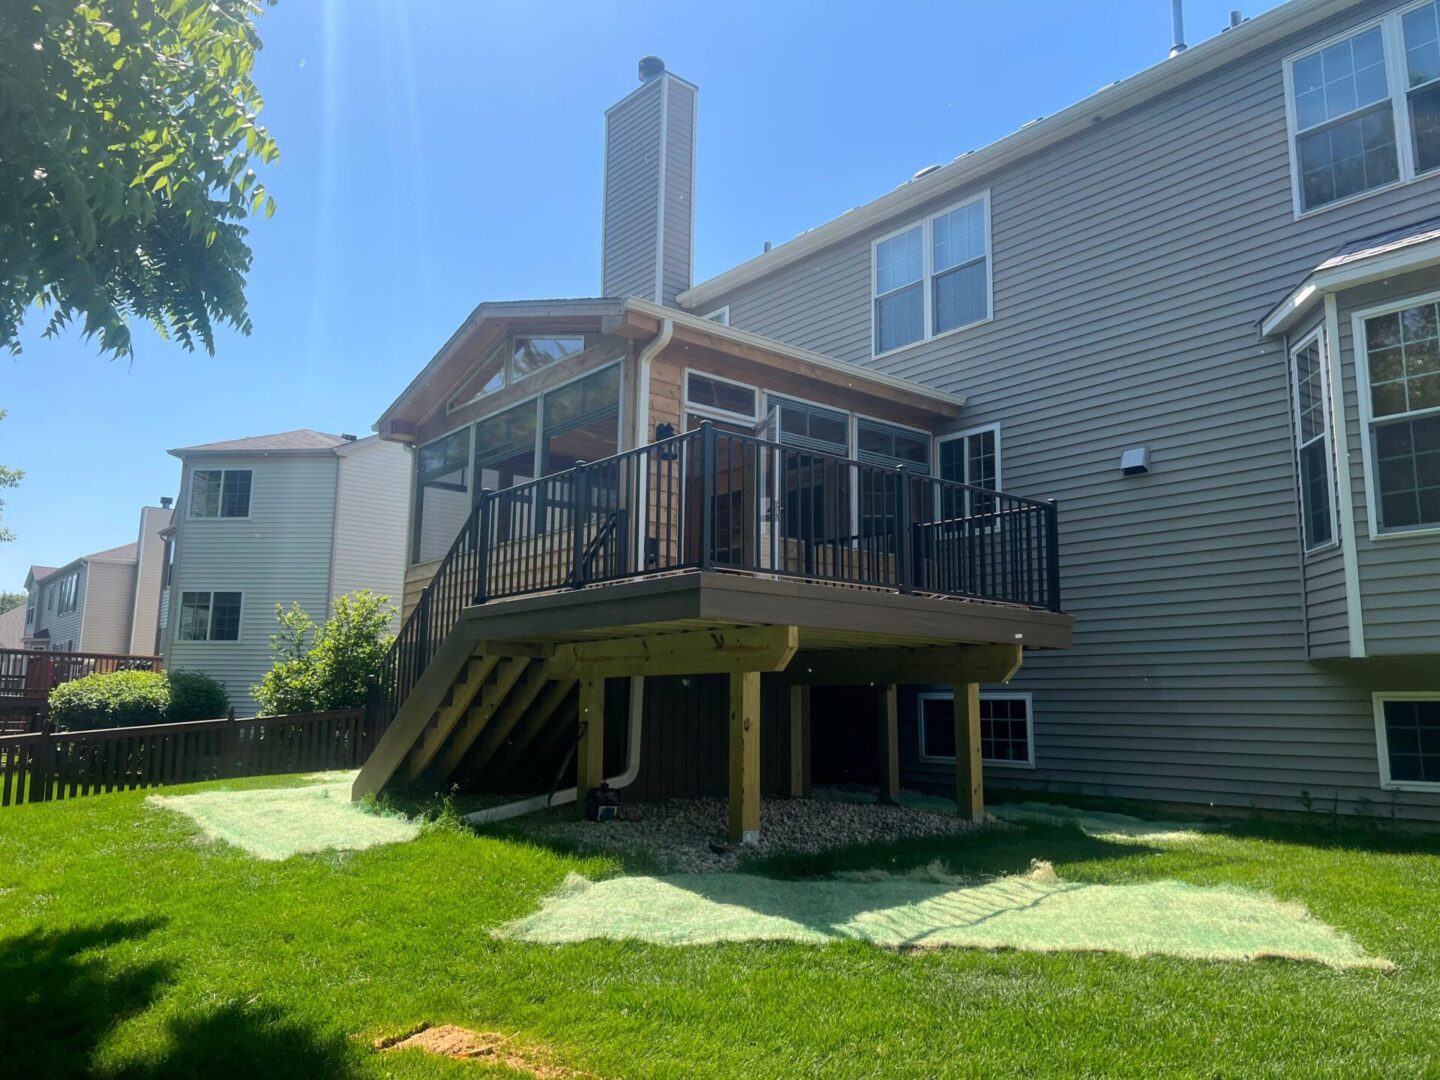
(650, 66)
(1236, 19)
(1177, 27)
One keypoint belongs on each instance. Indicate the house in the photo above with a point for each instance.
(12, 628)
(294, 517)
(106, 602)
(1197, 309)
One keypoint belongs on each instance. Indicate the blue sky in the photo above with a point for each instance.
(434, 155)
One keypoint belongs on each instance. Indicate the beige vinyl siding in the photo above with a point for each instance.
(371, 504)
(1399, 575)
(632, 192)
(279, 555)
(109, 600)
(1131, 266)
(150, 569)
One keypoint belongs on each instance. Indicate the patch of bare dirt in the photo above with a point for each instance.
(453, 1041)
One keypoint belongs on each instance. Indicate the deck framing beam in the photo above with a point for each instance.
(724, 651)
(920, 664)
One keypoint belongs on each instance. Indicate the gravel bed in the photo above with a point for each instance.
(682, 835)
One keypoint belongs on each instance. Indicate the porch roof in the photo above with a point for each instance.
(640, 321)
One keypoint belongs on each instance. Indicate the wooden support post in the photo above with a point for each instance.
(969, 782)
(799, 697)
(889, 743)
(745, 757)
(590, 756)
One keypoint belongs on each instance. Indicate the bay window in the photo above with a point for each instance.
(1310, 393)
(1401, 376)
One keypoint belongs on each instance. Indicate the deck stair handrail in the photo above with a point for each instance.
(715, 500)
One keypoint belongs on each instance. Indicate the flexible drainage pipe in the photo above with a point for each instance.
(569, 795)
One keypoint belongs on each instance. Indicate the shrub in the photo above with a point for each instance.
(135, 698)
(317, 668)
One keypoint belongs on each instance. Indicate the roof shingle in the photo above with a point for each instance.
(299, 439)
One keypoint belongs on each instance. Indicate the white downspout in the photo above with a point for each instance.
(653, 349)
(567, 795)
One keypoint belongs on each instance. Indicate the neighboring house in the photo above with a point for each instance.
(1199, 309)
(12, 628)
(101, 603)
(295, 517)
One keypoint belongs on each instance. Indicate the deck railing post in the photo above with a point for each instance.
(904, 571)
(577, 524)
(480, 544)
(707, 494)
(1052, 555)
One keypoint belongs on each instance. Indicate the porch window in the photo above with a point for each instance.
(209, 616)
(529, 354)
(879, 443)
(720, 399)
(582, 421)
(442, 494)
(1006, 734)
(1402, 354)
(1407, 732)
(220, 493)
(1312, 443)
(815, 503)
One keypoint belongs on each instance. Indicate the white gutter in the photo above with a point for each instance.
(1348, 275)
(642, 377)
(568, 795)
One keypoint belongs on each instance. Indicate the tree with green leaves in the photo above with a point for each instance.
(128, 131)
(9, 478)
(9, 601)
(317, 668)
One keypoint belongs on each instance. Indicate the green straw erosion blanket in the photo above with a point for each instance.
(275, 823)
(1035, 912)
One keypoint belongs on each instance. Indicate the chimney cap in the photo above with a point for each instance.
(166, 502)
(650, 66)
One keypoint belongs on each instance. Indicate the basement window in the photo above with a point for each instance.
(1007, 736)
(1407, 733)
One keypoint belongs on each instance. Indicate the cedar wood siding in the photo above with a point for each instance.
(1399, 575)
(651, 129)
(1131, 266)
(371, 525)
(280, 554)
(109, 601)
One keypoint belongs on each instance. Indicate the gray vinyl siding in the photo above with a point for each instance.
(1399, 575)
(632, 193)
(680, 108)
(63, 627)
(1131, 266)
(279, 555)
(649, 176)
(370, 521)
(109, 599)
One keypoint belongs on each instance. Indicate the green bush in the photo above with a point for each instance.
(318, 668)
(136, 698)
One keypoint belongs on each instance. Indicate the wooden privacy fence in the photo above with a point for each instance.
(32, 673)
(47, 765)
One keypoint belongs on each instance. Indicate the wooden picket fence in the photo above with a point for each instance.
(47, 765)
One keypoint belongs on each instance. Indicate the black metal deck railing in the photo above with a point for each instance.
(714, 500)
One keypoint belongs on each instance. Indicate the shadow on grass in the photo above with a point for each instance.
(993, 852)
(61, 997)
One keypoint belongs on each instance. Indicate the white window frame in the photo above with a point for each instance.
(1382, 747)
(1367, 417)
(712, 413)
(190, 496)
(967, 433)
(512, 377)
(1315, 337)
(985, 695)
(927, 274)
(69, 598)
(1393, 41)
(720, 315)
(207, 640)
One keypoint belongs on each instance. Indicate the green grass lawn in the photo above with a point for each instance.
(130, 948)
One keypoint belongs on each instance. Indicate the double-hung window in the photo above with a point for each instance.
(209, 616)
(1401, 377)
(1311, 402)
(220, 493)
(932, 277)
(69, 593)
(1007, 736)
(1364, 109)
